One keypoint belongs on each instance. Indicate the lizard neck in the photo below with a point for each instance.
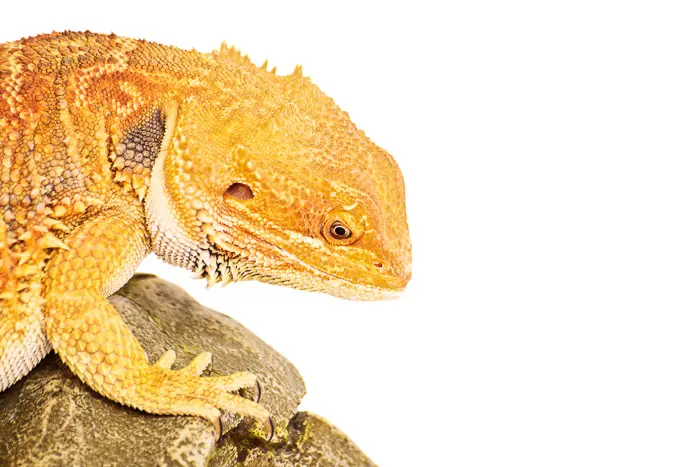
(169, 240)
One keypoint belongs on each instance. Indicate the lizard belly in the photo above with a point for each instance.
(23, 343)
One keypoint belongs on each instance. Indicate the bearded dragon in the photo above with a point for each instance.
(112, 148)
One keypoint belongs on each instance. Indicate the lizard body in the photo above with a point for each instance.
(112, 148)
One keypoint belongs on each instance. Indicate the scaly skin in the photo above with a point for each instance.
(111, 148)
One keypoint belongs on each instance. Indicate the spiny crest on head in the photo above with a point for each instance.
(264, 66)
(295, 81)
(232, 53)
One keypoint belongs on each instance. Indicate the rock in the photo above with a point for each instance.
(51, 418)
(313, 441)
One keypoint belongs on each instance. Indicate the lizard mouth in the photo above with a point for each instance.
(291, 270)
(345, 288)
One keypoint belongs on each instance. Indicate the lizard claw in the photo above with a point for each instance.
(217, 428)
(258, 395)
(270, 429)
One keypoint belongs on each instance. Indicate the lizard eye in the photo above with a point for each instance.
(342, 227)
(339, 231)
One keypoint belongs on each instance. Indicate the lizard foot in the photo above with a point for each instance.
(185, 392)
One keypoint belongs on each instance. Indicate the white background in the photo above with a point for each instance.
(550, 151)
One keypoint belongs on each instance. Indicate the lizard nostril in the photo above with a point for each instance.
(378, 264)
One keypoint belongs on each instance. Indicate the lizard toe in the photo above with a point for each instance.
(198, 364)
(234, 382)
(166, 360)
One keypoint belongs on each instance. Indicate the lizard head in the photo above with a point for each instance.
(282, 187)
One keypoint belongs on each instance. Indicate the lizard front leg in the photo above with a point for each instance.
(91, 338)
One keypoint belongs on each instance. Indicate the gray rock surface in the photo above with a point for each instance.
(51, 418)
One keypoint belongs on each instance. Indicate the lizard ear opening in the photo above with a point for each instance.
(239, 191)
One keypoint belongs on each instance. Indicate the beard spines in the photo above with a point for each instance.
(219, 268)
